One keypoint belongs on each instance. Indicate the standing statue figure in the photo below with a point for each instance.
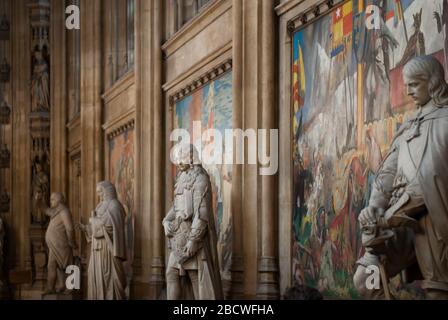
(40, 83)
(105, 231)
(190, 228)
(405, 226)
(41, 192)
(60, 240)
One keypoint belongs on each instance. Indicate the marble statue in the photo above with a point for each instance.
(190, 228)
(405, 225)
(40, 83)
(60, 242)
(106, 233)
(41, 192)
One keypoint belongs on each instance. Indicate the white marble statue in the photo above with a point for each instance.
(105, 231)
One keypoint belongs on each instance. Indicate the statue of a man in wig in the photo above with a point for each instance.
(190, 228)
(405, 225)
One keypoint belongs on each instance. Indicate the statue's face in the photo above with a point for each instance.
(54, 201)
(38, 167)
(417, 89)
(100, 193)
(183, 166)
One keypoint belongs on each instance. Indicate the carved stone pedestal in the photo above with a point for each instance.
(38, 255)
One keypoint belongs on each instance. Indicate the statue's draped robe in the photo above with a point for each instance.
(60, 236)
(40, 88)
(106, 276)
(420, 162)
(193, 204)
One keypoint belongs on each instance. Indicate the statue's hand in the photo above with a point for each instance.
(169, 231)
(191, 248)
(81, 227)
(369, 216)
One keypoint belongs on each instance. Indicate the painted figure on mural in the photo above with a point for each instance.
(105, 231)
(40, 83)
(190, 228)
(60, 240)
(442, 21)
(374, 51)
(405, 224)
(41, 192)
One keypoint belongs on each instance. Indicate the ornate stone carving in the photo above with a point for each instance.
(40, 82)
(41, 192)
(5, 157)
(5, 113)
(4, 202)
(4, 28)
(5, 70)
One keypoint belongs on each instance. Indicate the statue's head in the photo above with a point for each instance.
(424, 79)
(106, 191)
(185, 156)
(56, 199)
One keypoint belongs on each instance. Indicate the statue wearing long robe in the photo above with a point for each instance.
(106, 276)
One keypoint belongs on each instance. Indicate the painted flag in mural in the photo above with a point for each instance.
(299, 79)
(341, 28)
(395, 8)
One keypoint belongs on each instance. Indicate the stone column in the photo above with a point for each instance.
(91, 105)
(20, 153)
(237, 269)
(268, 262)
(58, 170)
(150, 239)
(158, 195)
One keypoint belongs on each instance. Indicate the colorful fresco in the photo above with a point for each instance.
(212, 107)
(122, 174)
(349, 100)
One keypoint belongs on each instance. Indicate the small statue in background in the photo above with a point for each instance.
(40, 83)
(41, 193)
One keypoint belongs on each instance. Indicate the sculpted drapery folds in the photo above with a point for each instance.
(60, 240)
(41, 192)
(105, 231)
(40, 83)
(405, 226)
(190, 228)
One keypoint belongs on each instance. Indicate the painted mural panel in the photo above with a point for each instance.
(348, 101)
(211, 108)
(122, 174)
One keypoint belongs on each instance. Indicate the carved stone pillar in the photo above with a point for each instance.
(268, 262)
(237, 269)
(39, 13)
(150, 241)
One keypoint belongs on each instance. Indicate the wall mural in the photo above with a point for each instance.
(348, 101)
(122, 174)
(212, 107)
